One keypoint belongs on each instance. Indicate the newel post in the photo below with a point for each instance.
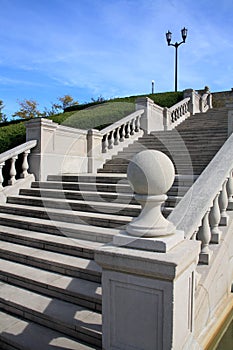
(94, 149)
(193, 103)
(148, 276)
(40, 158)
(152, 118)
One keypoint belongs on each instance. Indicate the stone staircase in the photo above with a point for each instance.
(191, 145)
(50, 286)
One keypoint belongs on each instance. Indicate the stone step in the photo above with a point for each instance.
(74, 186)
(179, 147)
(80, 195)
(76, 290)
(92, 178)
(55, 262)
(40, 240)
(178, 190)
(125, 199)
(122, 167)
(75, 217)
(72, 320)
(78, 205)
(71, 230)
(185, 136)
(172, 201)
(19, 334)
(124, 158)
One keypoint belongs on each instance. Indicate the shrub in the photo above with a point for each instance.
(12, 136)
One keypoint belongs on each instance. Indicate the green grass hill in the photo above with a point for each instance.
(86, 116)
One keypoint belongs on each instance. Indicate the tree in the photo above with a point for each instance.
(98, 99)
(28, 109)
(65, 101)
(61, 105)
(3, 117)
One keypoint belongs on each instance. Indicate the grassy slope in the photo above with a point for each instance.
(95, 116)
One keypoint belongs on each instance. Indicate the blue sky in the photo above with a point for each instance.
(88, 48)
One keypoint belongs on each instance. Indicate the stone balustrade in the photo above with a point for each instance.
(121, 130)
(176, 114)
(203, 209)
(156, 118)
(13, 172)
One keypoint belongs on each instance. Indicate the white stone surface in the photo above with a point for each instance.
(158, 244)
(151, 174)
(59, 149)
(147, 297)
(14, 189)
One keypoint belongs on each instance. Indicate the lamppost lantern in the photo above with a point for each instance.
(169, 37)
(184, 32)
(152, 86)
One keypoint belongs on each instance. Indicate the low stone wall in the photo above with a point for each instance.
(221, 98)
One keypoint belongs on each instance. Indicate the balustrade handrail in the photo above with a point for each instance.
(179, 104)
(122, 121)
(188, 214)
(17, 150)
(12, 155)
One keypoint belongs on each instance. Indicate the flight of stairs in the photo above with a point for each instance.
(50, 286)
(191, 146)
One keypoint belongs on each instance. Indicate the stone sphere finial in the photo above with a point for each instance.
(151, 174)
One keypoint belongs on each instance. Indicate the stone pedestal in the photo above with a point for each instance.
(149, 273)
(148, 297)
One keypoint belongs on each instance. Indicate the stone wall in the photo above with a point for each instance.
(221, 98)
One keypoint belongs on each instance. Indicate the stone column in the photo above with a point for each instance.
(149, 270)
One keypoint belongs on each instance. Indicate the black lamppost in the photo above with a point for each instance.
(184, 32)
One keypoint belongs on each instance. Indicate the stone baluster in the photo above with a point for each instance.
(117, 136)
(12, 171)
(25, 165)
(230, 192)
(127, 130)
(110, 140)
(137, 124)
(204, 235)
(179, 112)
(194, 235)
(184, 109)
(132, 126)
(214, 218)
(223, 203)
(105, 144)
(173, 117)
(1, 176)
(122, 133)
